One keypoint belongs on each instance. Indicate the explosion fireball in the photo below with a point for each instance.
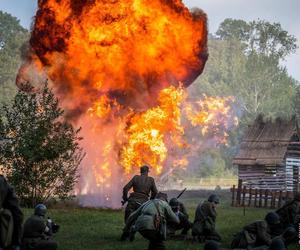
(120, 69)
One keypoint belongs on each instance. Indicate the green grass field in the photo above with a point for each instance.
(83, 228)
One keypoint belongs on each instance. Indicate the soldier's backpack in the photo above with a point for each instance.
(6, 228)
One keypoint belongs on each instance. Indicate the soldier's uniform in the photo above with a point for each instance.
(204, 226)
(142, 186)
(257, 234)
(37, 235)
(9, 201)
(184, 224)
(143, 221)
(290, 213)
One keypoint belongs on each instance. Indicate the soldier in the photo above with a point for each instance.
(11, 215)
(290, 213)
(142, 186)
(204, 227)
(179, 209)
(257, 234)
(150, 221)
(37, 232)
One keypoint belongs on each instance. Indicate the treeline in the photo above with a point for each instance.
(246, 61)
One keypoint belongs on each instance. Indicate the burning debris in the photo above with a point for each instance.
(120, 69)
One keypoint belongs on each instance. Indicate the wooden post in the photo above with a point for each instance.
(255, 198)
(244, 195)
(260, 198)
(266, 198)
(279, 199)
(250, 197)
(273, 199)
(233, 196)
(238, 194)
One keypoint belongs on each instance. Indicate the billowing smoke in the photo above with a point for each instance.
(119, 69)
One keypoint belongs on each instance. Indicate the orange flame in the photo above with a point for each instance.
(116, 67)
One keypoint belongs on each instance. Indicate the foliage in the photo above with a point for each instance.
(40, 151)
(12, 37)
(245, 62)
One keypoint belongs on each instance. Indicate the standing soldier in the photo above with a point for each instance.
(204, 227)
(150, 221)
(11, 217)
(142, 186)
(37, 233)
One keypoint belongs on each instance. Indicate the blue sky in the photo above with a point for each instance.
(284, 11)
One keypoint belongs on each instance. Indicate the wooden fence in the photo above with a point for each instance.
(263, 198)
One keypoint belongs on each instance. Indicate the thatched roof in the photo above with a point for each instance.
(266, 142)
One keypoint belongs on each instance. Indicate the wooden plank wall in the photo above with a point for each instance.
(292, 174)
(263, 177)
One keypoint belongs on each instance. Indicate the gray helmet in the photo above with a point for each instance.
(144, 169)
(212, 245)
(272, 218)
(277, 244)
(174, 203)
(297, 196)
(162, 196)
(40, 210)
(214, 198)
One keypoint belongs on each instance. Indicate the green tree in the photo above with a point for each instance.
(245, 62)
(12, 37)
(40, 151)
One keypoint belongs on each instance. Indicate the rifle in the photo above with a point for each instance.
(181, 193)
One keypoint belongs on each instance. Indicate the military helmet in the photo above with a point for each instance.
(214, 198)
(174, 203)
(40, 210)
(162, 196)
(297, 196)
(144, 169)
(212, 245)
(277, 244)
(272, 218)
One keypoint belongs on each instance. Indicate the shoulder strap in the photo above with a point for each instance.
(157, 209)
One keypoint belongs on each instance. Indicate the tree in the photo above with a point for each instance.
(261, 37)
(12, 37)
(245, 61)
(40, 151)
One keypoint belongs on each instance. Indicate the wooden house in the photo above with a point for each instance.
(269, 155)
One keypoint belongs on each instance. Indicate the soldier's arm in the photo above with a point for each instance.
(154, 190)
(11, 203)
(126, 189)
(170, 215)
(183, 209)
(210, 211)
(132, 218)
(262, 233)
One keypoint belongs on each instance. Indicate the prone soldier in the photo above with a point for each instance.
(204, 226)
(142, 186)
(38, 232)
(11, 217)
(258, 234)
